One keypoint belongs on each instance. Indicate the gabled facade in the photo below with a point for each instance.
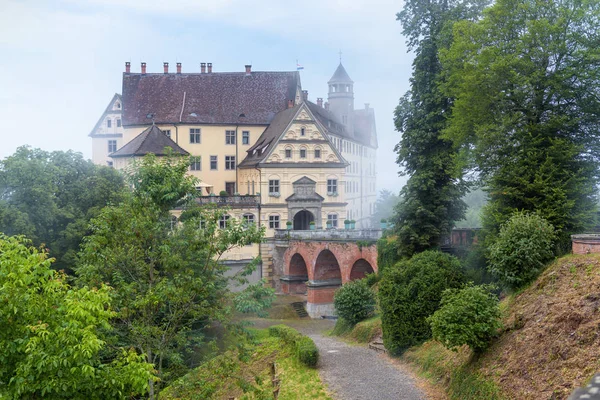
(107, 135)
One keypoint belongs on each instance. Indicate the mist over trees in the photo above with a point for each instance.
(50, 197)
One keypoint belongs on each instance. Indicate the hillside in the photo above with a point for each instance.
(550, 344)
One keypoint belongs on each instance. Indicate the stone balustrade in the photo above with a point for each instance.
(329, 234)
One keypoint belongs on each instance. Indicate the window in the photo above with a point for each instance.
(249, 219)
(112, 146)
(229, 162)
(108, 123)
(213, 163)
(332, 219)
(118, 122)
(109, 163)
(118, 105)
(195, 164)
(302, 153)
(273, 186)
(167, 133)
(245, 137)
(229, 137)
(317, 153)
(223, 221)
(274, 221)
(331, 186)
(194, 135)
(302, 131)
(288, 153)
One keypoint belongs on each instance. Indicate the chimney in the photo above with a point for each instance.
(248, 69)
(166, 67)
(305, 95)
(127, 67)
(320, 102)
(178, 68)
(366, 106)
(143, 68)
(203, 68)
(290, 103)
(209, 68)
(327, 105)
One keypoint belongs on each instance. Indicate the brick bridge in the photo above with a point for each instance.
(317, 263)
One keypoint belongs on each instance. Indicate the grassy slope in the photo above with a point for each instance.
(248, 376)
(550, 344)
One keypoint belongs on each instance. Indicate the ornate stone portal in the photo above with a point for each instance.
(305, 204)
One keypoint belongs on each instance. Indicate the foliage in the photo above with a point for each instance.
(168, 281)
(354, 301)
(52, 340)
(384, 206)
(527, 111)
(305, 349)
(475, 267)
(51, 196)
(468, 316)
(475, 201)
(523, 247)
(388, 252)
(431, 199)
(254, 299)
(410, 292)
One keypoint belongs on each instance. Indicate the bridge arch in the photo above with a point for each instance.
(360, 269)
(327, 266)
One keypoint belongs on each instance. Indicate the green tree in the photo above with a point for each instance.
(51, 196)
(527, 110)
(384, 206)
(168, 281)
(431, 199)
(411, 291)
(53, 336)
(354, 301)
(468, 316)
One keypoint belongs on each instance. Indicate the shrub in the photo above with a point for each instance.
(388, 251)
(521, 250)
(468, 316)
(410, 292)
(354, 301)
(305, 349)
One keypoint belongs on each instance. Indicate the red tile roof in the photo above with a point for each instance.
(210, 98)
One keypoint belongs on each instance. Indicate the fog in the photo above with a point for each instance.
(62, 63)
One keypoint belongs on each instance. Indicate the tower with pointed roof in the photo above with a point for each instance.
(341, 96)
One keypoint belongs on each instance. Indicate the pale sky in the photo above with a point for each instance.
(62, 61)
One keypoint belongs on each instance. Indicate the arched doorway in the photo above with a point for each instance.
(298, 275)
(327, 267)
(360, 269)
(302, 220)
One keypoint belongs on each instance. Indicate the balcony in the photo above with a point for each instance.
(236, 201)
(329, 234)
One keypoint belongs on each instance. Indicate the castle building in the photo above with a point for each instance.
(254, 135)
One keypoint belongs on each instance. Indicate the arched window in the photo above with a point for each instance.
(317, 152)
(288, 152)
(303, 152)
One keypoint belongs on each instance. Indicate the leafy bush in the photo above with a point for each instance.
(388, 251)
(523, 247)
(305, 349)
(468, 316)
(254, 298)
(354, 301)
(410, 292)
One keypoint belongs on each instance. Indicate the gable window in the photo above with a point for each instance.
(229, 162)
(317, 153)
(274, 221)
(245, 137)
(118, 122)
(223, 221)
(167, 133)
(194, 135)
(229, 137)
(288, 153)
(108, 123)
(302, 153)
(331, 186)
(332, 220)
(112, 146)
(213, 163)
(195, 164)
(302, 131)
(118, 105)
(273, 187)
